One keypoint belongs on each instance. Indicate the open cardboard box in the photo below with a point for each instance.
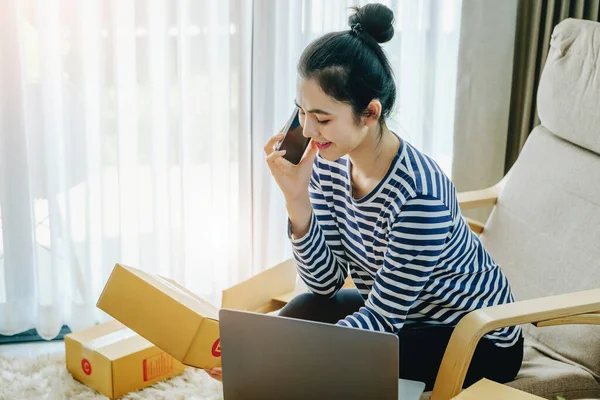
(115, 360)
(182, 323)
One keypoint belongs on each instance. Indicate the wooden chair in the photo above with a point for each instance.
(544, 231)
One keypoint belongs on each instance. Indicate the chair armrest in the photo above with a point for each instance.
(478, 198)
(483, 197)
(476, 324)
(475, 226)
(581, 319)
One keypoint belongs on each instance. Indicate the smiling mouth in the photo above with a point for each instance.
(323, 146)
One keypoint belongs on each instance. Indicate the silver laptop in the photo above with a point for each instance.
(268, 357)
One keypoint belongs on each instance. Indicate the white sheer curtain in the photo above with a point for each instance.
(132, 131)
(125, 138)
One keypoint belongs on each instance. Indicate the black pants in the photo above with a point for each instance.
(421, 346)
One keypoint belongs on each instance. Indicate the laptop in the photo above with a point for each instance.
(269, 357)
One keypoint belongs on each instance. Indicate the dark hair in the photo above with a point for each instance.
(350, 66)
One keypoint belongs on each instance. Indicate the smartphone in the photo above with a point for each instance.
(293, 142)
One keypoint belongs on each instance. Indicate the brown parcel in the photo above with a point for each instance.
(180, 322)
(490, 390)
(115, 360)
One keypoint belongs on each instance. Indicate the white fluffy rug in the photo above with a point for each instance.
(46, 377)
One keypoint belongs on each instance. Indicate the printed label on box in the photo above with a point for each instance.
(216, 348)
(157, 366)
(86, 366)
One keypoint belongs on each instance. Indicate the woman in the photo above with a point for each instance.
(365, 201)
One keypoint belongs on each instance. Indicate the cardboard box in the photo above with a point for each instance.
(490, 390)
(115, 360)
(180, 322)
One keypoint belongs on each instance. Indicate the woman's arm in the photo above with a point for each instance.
(320, 268)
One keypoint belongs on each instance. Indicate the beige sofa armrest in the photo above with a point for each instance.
(481, 198)
(478, 198)
(476, 324)
(475, 226)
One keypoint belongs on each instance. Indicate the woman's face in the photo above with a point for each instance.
(328, 122)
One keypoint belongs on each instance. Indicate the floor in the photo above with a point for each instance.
(31, 349)
(36, 370)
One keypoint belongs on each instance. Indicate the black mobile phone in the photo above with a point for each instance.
(293, 142)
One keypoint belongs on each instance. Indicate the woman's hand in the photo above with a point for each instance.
(215, 373)
(292, 179)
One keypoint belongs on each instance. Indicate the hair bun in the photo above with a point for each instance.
(375, 19)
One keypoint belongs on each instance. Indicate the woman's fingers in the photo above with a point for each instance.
(282, 162)
(271, 158)
(277, 163)
(271, 143)
(215, 373)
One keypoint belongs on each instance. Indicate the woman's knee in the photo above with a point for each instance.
(303, 306)
(314, 307)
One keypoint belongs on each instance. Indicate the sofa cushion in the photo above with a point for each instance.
(548, 378)
(568, 97)
(544, 234)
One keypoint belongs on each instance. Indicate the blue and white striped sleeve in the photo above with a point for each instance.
(319, 267)
(416, 240)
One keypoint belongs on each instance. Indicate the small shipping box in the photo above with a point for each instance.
(114, 360)
(182, 323)
(490, 390)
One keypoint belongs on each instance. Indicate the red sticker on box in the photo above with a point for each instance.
(86, 366)
(216, 348)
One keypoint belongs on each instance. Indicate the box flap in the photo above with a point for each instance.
(157, 310)
(208, 310)
(96, 331)
(98, 343)
(256, 292)
(176, 291)
(112, 339)
(125, 347)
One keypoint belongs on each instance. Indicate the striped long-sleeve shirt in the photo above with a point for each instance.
(406, 245)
